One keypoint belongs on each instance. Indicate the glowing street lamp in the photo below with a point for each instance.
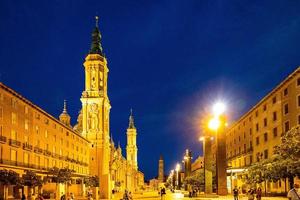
(177, 168)
(216, 123)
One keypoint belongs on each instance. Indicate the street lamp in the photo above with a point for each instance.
(177, 168)
(216, 124)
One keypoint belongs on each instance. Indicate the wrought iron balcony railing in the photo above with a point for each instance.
(2, 139)
(27, 146)
(14, 143)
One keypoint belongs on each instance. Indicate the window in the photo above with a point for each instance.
(298, 82)
(257, 140)
(244, 135)
(265, 107)
(251, 158)
(239, 138)
(37, 160)
(256, 113)
(298, 119)
(26, 139)
(265, 137)
(285, 92)
(37, 115)
(1, 112)
(26, 125)
(287, 126)
(250, 131)
(298, 101)
(275, 132)
(13, 155)
(14, 103)
(257, 127)
(26, 158)
(1, 130)
(13, 135)
(13, 118)
(266, 154)
(274, 116)
(250, 144)
(245, 148)
(46, 134)
(265, 122)
(26, 110)
(274, 100)
(286, 109)
(37, 129)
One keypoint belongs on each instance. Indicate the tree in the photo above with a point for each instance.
(285, 163)
(92, 181)
(9, 177)
(63, 176)
(196, 179)
(31, 179)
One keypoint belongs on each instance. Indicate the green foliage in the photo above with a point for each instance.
(63, 175)
(92, 181)
(196, 179)
(284, 164)
(31, 179)
(9, 177)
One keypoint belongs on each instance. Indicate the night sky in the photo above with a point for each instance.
(168, 60)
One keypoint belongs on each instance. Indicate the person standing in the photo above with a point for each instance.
(294, 193)
(258, 193)
(235, 193)
(251, 194)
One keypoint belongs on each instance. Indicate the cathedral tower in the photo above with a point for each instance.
(161, 174)
(131, 148)
(64, 117)
(95, 112)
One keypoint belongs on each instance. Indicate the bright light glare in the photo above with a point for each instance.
(214, 124)
(201, 138)
(219, 108)
(177, 167)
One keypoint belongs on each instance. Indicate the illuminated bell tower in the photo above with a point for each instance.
(131, 148)
(95, 112)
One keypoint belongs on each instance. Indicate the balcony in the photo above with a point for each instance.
(47, 153)
(2, 139)
(14, 143)
(27, 147)
(38, 150)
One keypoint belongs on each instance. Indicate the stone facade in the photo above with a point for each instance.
(253, 136)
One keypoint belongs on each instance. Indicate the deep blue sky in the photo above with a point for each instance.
(168, 60)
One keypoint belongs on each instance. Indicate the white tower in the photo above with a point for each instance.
(131, 148)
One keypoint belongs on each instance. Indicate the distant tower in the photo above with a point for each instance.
(131, 148)
(187, 163)
(95, 112)
(64, 117)
(161, 169)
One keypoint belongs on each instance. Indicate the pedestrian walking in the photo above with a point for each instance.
(235, 193)
(294, 193)
(258, 193)
(251, 194)
(162, 193)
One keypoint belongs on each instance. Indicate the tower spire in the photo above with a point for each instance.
(96, 47)
(131, 120)
(65, 107)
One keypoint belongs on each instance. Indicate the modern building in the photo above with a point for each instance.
(254, 135)
(32, 139)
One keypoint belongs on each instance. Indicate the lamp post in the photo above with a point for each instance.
(217, 124)
(208, 160)
(177, 168)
